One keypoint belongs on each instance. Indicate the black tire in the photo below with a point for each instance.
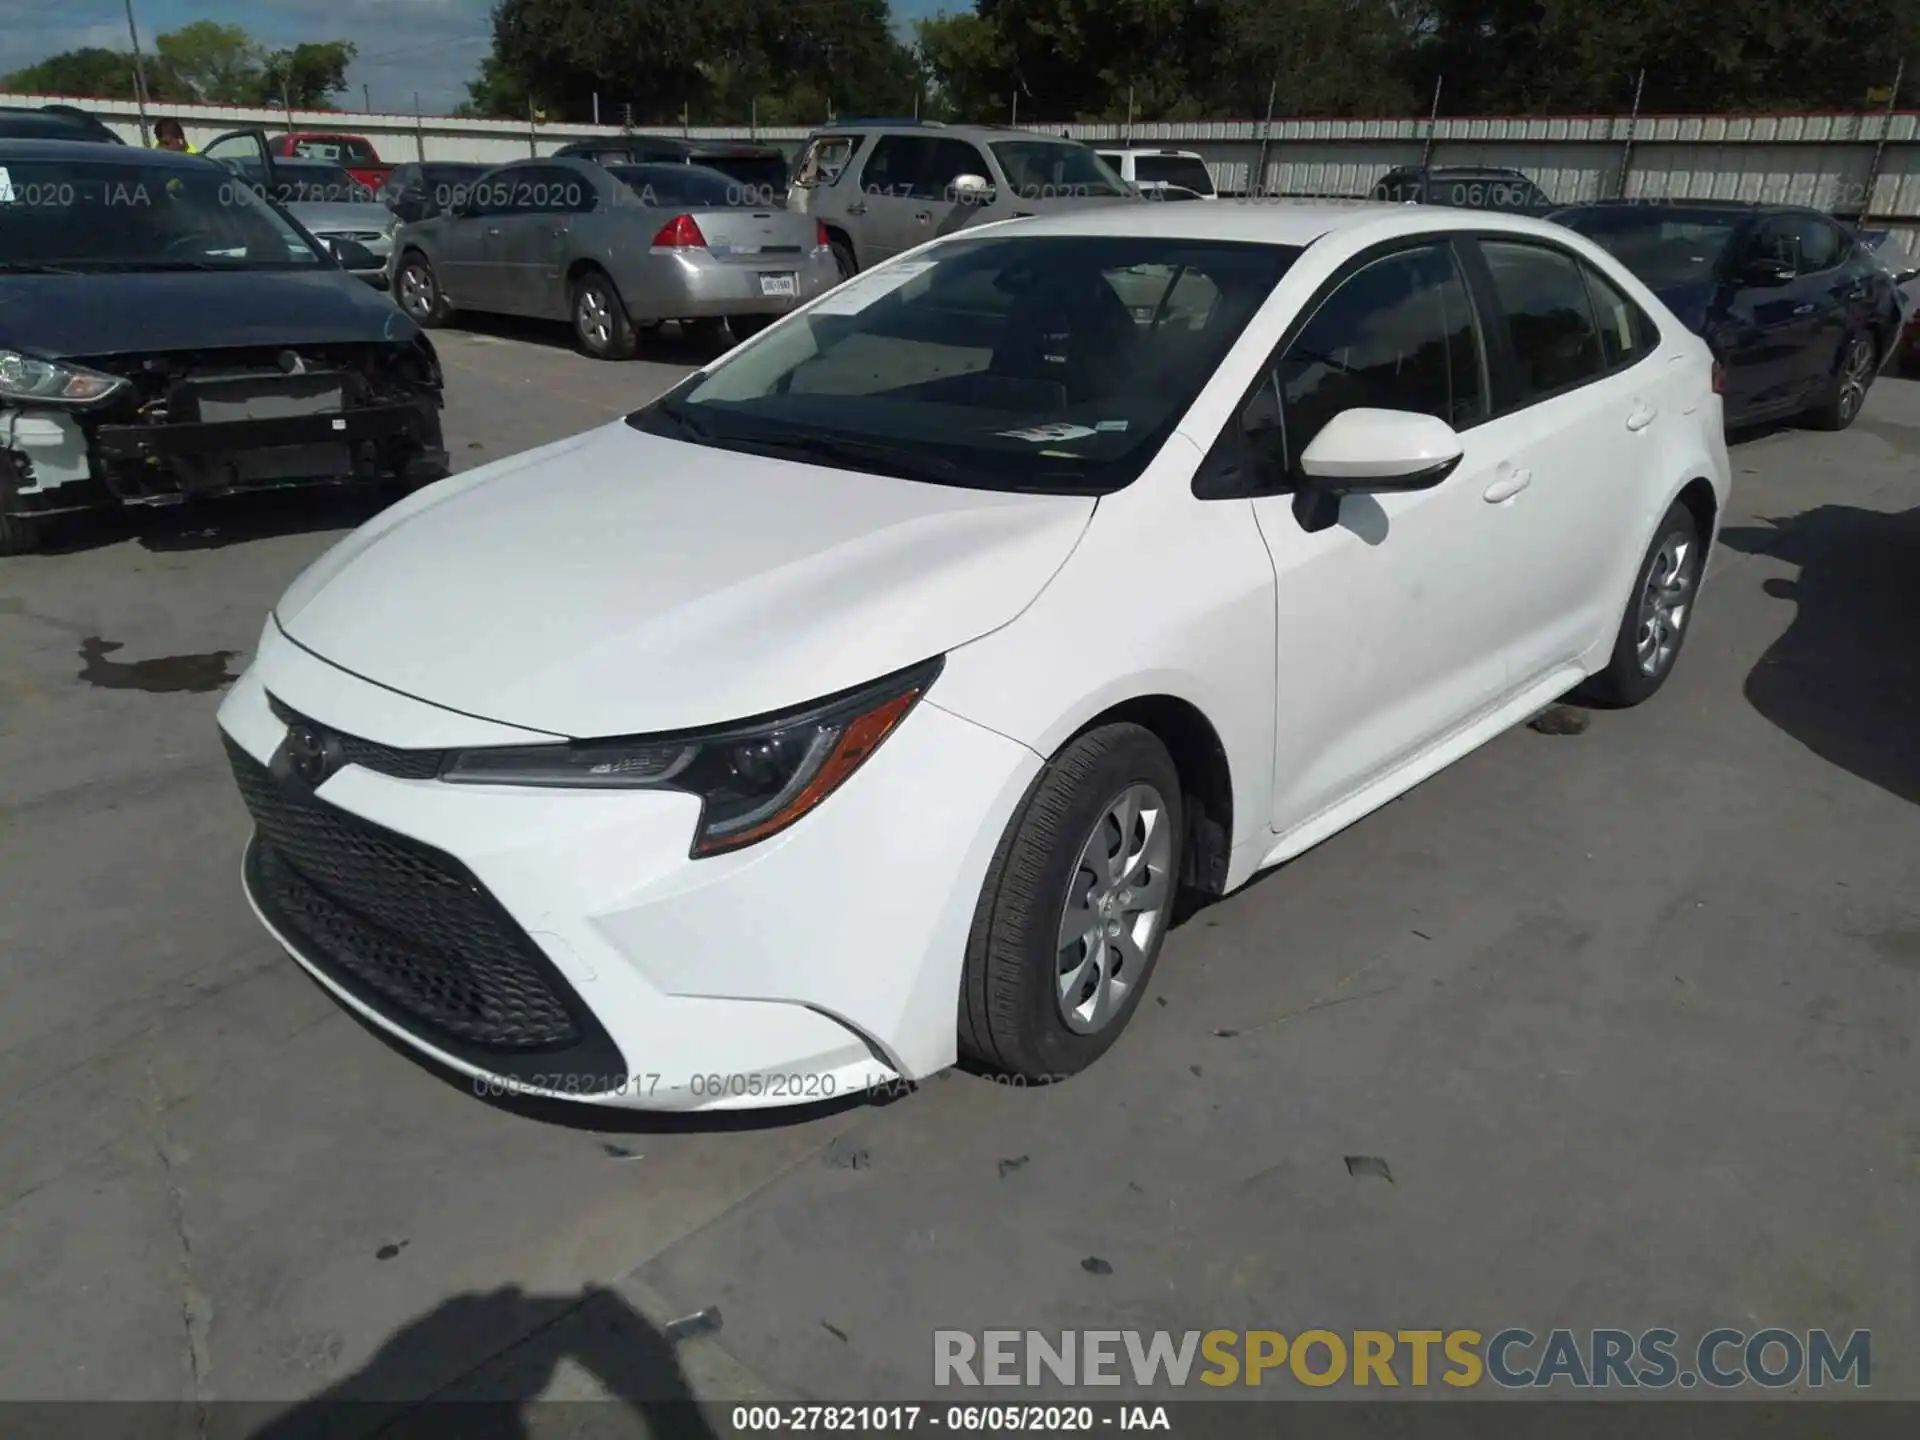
(1846, 393)
(416, 290)
(843, 257)
(745, 327)
(19, 534)
(601, 327)
(1011, 1015)
(1629, 678)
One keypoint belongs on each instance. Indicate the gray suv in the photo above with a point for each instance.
(881, 187)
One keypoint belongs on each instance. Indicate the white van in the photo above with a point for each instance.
(1165, 172)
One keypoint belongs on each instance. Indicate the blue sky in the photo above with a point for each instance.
(429, 46)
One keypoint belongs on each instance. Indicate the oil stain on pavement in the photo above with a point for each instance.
(162, 675)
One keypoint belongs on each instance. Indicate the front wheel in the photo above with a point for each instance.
(416, 289)
(1075, 908)
(1655, 625)
(1847, 391)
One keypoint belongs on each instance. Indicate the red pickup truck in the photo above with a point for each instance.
(355, 153)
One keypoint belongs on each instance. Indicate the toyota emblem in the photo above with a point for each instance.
(311, 753)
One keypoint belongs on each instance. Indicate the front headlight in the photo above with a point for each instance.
(53, 382)
(754, 779)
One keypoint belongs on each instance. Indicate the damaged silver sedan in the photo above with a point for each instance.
(166, 335)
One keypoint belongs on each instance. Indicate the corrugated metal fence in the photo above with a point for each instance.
(1829, 161)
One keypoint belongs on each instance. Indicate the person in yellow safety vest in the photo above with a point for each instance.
(167, 135)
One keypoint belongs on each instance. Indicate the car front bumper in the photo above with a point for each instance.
(603, 964)
(691, 285)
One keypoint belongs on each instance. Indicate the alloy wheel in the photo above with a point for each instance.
(594, 318)
(1118, 899)
(416, 291)
(1856, 372)
(1665, 603)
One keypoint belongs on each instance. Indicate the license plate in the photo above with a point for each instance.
(781, 285)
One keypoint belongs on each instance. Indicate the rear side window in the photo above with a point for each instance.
(1549, 319)
(1186, 171)
(1627, 333)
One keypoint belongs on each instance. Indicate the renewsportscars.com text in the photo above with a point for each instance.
(1513, 1358)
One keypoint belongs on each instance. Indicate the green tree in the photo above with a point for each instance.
(305, 77)
(96, 74)
(969, 66)
(219, 64)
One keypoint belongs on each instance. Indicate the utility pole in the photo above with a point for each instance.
(419, 134)
(1129, 136)
(596, 107)
(1257, 182)
(139, 75)
(1880, 146)
(1433, 124)
(1626, 150)
(366, 99)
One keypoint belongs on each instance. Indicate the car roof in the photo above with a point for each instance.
(1666, 206)
(52, 123)
(1457, 170)
(1145, 150)
(16, 149)
(1274, 222)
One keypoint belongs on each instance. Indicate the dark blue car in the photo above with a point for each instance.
(1795, 309)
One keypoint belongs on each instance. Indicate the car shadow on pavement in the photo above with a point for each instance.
(1844, 678)
(424, 1380)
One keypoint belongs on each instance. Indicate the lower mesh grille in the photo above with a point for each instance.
(406, 928)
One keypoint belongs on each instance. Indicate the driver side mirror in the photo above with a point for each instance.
(351, 254)
(1765, 274)
(972, 190)
(1372, 452)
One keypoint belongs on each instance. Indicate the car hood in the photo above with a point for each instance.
(336, 215)
(623, 583)
(147, 312)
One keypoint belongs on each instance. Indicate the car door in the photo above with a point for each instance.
(1390, 620)
(880, 219)
(533, 243)
(1767, 322)
(465, 248)
(1824, 294)
(1578, 416)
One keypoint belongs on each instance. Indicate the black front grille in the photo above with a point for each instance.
(371, 754)
(411, 932)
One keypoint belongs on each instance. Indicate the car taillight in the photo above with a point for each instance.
(821, 240)
(1719, 379)
(680, 233)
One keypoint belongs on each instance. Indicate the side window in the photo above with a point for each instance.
(359, 152)
(947, 161)
(1397, 335)
(1549, 319)
(894, 165)
(824, 159)
(1626, 332)
(1821, 244)
(493, 192)
(1777, 240)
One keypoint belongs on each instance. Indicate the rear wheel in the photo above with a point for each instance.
(843, 257)
(1075, 907)
(416, 288)
(600, 322)
(1847, 391)
(1655, 625)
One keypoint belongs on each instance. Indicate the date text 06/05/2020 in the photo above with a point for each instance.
(797, 1085)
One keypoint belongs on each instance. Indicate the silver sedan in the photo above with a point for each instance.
(615, 250)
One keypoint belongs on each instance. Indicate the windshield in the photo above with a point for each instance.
(1186, 171)
(1057, 364)
(1047, 169)
(1663, 250)
(125, 213)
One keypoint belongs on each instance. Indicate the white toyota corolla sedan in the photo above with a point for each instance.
(869, 699)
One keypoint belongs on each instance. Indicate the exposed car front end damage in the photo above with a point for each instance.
(184, 424)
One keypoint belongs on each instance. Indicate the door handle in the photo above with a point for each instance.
(1805, 309)
(1508, 486)
(859, 207)
(923, 217)
(1642, 416)
(493, 229)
